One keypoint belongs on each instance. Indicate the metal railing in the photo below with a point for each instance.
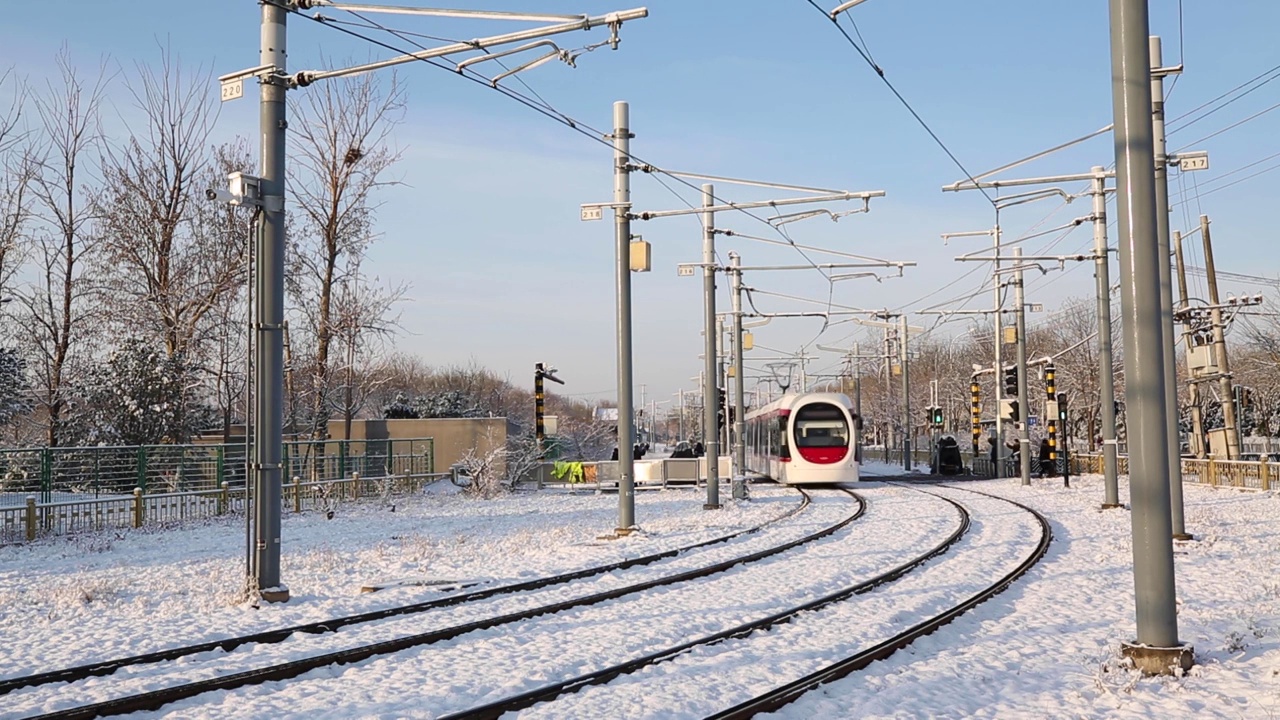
(58, 491)
(53, 473)
(1253, 474)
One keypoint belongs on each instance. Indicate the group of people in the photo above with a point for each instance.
(1048, 468)
(684, 449)
(688, 450)
(638, 451)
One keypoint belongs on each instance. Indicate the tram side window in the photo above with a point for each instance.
(780, 437)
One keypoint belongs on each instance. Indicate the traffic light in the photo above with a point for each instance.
(721, 413)
(935, 416)
(1062, 408)
(1011, 381)
(1015, 412)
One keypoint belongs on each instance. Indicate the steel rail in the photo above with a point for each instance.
(782, 696)
(107, 667)
(159, 698)
(599, 677)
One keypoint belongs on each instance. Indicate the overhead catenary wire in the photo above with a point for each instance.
(1232, 126)
(540, 107)
(881, 74)
(1274, 72)
(543, 107)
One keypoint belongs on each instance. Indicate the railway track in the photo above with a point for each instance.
(555, 690)
(694, 680)
(108, 667)
(159, 698)
(786, 694)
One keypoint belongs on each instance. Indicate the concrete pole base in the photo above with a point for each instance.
(620, 533)
(1109, 506)
(1157, 660)
(1183, 536)
(275, 594)
(709, 506)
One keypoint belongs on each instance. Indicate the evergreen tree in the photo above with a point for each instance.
(13, 385)
(142, 396)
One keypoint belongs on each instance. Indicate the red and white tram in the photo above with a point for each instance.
(804, 438)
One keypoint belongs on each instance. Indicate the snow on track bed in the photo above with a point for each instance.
(98, 597)
(710, 679)
(823, 513)
(493, 664)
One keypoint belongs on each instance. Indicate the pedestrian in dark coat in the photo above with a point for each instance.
(1046, 465)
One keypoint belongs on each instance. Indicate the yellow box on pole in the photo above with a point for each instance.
(640, 256)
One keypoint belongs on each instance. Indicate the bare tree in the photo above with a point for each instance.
(225, 362)
(16, 170)
(173, 253)
(58, 303)
(362, 318)
(341, 157)
(219, 344)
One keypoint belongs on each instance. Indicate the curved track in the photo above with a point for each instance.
(786, 694)
(108, 667)
(550, 692)
(156, 699)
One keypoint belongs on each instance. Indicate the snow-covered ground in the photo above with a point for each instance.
(1047, 647)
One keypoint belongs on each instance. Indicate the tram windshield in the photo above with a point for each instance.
(821, 425)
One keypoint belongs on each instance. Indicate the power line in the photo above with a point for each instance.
(1228, 93)
(542, 108)
(1232, 126)
(880, 72)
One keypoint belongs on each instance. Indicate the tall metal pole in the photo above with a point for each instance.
(622, 238)
(681, 421)
(1153, 574)
(1193, 390)
(1024, 407)
(1220, 346)
(857, 402)
(889, 439)
(722, 382)
(739, 405)
(1166, 291)
(710, 430)
(1106, 375)
(999, 392)
(269, 318)
(906, 399)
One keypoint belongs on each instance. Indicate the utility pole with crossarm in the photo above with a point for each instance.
(267, 195)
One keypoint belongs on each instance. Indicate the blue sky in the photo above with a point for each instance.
(485, 225)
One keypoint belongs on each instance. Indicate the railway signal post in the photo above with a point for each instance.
(542, 372)
(1051, 414)
(975, 416)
